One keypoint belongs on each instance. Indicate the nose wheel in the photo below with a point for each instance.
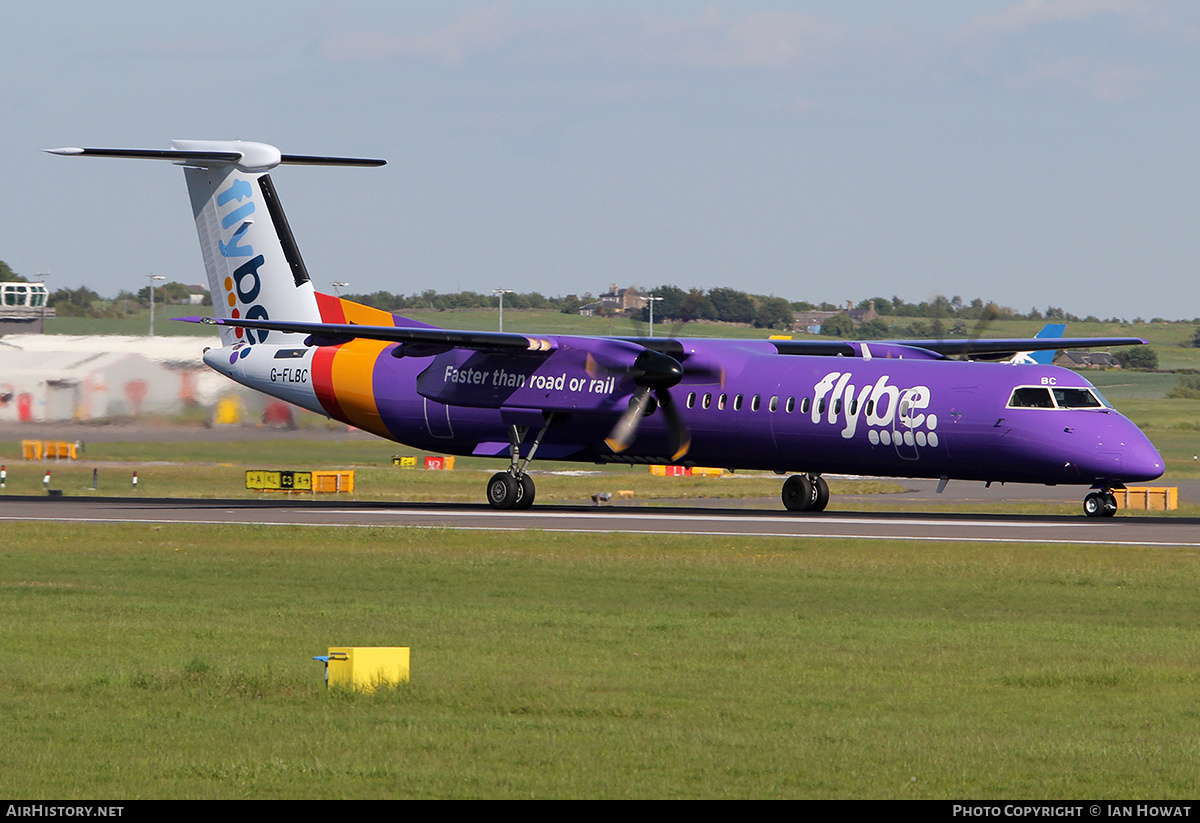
(1100, 504)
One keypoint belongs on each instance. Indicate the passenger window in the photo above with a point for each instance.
(791, 405)
(774, 403)
(707, 401)
(691, 401)
(805, 405)
(737, 402)
(721, 403)
(755, 402)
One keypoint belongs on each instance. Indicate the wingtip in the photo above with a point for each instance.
(64, 150)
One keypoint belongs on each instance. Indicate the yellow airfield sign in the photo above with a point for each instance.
(279, 481)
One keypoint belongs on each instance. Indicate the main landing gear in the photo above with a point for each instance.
(805, 493)
(507, 491)
(1100, 504)
(513, 488)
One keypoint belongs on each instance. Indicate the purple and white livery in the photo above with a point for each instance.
(801, 408)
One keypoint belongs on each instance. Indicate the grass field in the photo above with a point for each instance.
(176, 662)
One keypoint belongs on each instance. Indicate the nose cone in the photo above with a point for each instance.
(1140, 460)
(1124, 453)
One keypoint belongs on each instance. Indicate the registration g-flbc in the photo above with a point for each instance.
(289, 375)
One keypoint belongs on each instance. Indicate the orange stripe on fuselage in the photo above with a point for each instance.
(362, 315)
(352, 375)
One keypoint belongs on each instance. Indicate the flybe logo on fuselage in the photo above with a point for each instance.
(891, 415)
(242, 288)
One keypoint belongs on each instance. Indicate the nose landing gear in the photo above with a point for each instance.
(1100, 504)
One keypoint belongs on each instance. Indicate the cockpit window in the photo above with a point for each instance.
(1075, 399)
(1056, 397)
(1031, 397)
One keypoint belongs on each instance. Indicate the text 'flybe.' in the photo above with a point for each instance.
(892, 415)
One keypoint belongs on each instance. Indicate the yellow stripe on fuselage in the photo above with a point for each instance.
(352, 375)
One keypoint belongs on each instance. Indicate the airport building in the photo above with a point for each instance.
(46, 378)
(23, 307)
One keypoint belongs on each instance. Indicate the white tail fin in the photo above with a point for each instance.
(254, 266)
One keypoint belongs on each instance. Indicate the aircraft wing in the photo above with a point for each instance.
(1000, 349)
(423, 342)
(419, 341)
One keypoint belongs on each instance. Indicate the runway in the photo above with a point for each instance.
(1167, 532)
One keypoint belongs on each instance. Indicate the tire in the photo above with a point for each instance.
(502, 491)
(797, 493)
(820, 494)
(525, 492)
(1094, 505)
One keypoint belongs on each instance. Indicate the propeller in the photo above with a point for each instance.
(654, 374)
(989, 314)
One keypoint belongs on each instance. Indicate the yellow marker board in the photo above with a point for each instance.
(279, 481)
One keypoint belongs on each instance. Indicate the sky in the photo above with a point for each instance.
(1032, 152)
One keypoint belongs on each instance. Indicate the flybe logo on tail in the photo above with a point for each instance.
(242, 288)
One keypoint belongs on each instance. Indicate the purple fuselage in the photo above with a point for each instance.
(747, 406)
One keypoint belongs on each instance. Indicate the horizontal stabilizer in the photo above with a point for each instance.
(248, 156)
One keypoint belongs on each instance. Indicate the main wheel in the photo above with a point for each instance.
(503, 491)
(820, 494)
(1094, 505)
(797, 493)
(525, 492)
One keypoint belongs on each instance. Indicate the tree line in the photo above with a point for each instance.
(934, 319)
(85, 302)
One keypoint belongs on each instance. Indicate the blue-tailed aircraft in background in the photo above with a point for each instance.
(796, 407)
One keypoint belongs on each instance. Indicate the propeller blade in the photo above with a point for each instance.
(626, 429)
(681, 439)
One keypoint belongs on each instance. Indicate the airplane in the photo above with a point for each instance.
(1045, 356)
(802, 408)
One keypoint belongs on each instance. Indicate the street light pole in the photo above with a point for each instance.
(338, 284)
(153, 279)
(652, 300)
(41, 276)
(500, 293)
